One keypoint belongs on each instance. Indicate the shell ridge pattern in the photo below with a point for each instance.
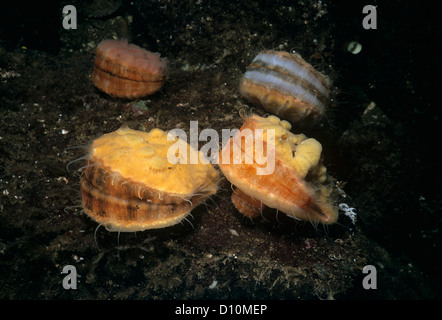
(299, 69)
(286, 188)
(287, 84)
(131, 186)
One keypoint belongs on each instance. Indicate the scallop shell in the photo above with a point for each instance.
(127, 71)
(298, 186)
(129, 184)
(286, 85)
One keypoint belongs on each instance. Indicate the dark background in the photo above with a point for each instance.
(398, 68)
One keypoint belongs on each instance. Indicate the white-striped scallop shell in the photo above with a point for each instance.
(286, 85)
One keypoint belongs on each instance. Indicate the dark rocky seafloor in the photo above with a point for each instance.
(379, 139)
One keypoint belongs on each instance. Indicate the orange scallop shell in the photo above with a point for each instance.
(127, 71)
(129, 185)
(298, 185)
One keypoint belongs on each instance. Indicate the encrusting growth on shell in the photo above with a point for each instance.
(129, 184)
(298, 185)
